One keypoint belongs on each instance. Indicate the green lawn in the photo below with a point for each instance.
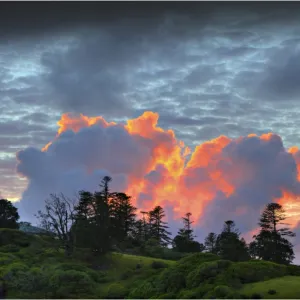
(287, 287)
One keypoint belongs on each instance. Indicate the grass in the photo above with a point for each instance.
(287, 287)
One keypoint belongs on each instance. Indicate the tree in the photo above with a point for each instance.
(122, 214)
(58, 218)
(92, 227)
(211, 242)
(229, 245)
(9, 215)
(158, 228)
(184, 240)
(270, 244)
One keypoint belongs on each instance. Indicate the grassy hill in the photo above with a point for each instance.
(35, 267)
(287, 287)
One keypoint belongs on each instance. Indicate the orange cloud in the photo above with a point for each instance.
(246, 170)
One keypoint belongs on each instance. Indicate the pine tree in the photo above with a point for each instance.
(122, 214)
(158, 228)
(229, 245)
(270, 244)
(92, 227)
(184, 240)
(211, 243)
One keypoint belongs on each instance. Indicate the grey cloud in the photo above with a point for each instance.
(265, 169)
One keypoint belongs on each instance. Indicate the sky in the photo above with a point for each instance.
(191, 106)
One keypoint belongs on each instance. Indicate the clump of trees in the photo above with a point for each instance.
(104, 220)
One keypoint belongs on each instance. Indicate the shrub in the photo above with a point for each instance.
(272, 292)
(7, 258)
(248, 272)
(28, 282)
(13, 236)
(256, 296)
(71, 284)
(10, 248)
(167, 296)
(171, 280)
(293, 270)
(116, 291)
(205, 272)
(158, 265)
(144, 291)
(95, 276)
(12, 270)
(222, 290)
(190, 262)
(127, 274)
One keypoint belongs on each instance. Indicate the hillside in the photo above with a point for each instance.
(34, 267)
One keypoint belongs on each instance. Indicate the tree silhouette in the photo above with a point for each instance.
(158, 228)
(9, 215)
(270, 244)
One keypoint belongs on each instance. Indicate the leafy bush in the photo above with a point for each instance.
(272, 292)
(144, 291)
(7, 258)
(9, 272)
(13, 236)
(127, 274)
(171, 280)
(71, 284)
(256, 296)
(116, 291)
(95, 276)
(31, 282)
(158, 265)
(206, 271)
(222, 290)
(9, 248)
(248, 272)
(293, 270)
(191, 261)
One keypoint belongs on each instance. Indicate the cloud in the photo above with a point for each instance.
(220, 179)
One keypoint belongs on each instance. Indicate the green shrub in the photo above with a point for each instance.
(167, 296)
(94, 275)
(10, 248)
(158, 265)
(256, 296)
(127, 274)
(13, 236)
(171, 280)
(293, 270)
(248, 272)
(71, 284)
(9, 272)
(144, 291)
(190, 262)
(222, 290)
(205, 272)
(28, 282)
(7, 258)
(116, 291)
(272, 292)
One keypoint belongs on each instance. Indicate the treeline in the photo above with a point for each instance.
(107, 221)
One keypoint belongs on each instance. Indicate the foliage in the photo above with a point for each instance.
(270, 244)
(229, 245)
(116, 291)
(9, 215)
(158, 265)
